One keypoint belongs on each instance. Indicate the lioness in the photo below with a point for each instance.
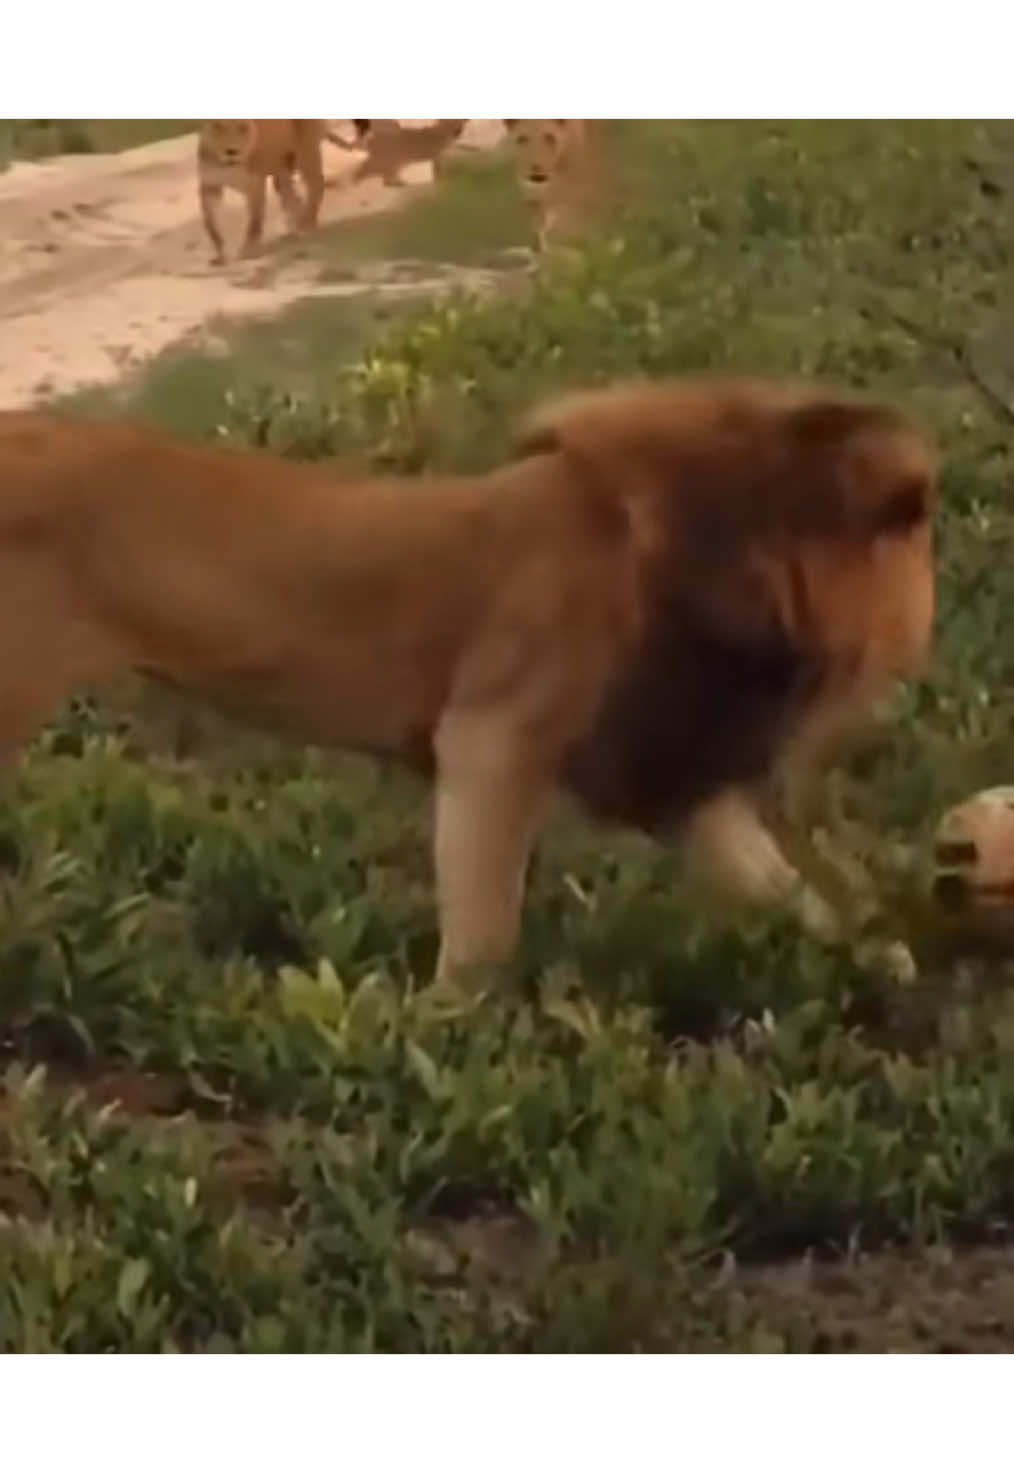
(391, 147)
(670, 592)
(241, 154)
(556, 170)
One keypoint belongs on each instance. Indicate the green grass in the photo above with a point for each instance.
(475, 214)
(189, 387)
(634, 1147)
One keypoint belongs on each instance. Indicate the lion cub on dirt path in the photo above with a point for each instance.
(242, 154)
(390, 148)
(671, 593)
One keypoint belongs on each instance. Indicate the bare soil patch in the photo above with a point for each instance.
(103, 260)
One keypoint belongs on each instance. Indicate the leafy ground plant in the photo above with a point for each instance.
(229, 1119)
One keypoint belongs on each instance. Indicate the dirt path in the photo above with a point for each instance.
(103, 260)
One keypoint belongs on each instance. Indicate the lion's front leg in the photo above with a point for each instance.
(256, 201)
(729, 842)
(211, 206)
(488, 802)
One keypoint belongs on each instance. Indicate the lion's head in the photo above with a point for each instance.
(782, 548)
(228, 141)
(541, 147)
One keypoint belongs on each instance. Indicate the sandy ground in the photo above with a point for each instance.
(104, 262)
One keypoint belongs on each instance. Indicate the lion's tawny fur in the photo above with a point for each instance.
(670, 594)
(559, 170)
(242, 154)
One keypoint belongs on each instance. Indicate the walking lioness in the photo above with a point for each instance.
(558, 171)
(654, 607)
(242, 154)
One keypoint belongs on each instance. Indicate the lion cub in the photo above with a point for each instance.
(390, 147)
(241, 154)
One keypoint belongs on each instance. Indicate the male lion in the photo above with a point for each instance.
(665, 598)
(241, 154)
(556, 170)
